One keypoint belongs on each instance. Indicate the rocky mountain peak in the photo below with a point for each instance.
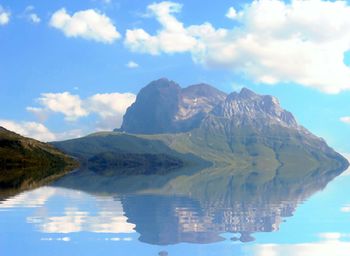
(247, 107)
(245, 93)
(163, 106)
(154, 108)
(161, 87)
(203, 90)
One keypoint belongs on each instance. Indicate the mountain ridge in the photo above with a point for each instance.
(163, 106)
(243, 130)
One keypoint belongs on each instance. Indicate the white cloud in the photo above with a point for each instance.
(67, 104)
(274, 42)
(345, 119)
(110, 107)
(30, 129)
(39, 131)
(88, 24)
(34, 18)
(172, 38)
(4, 16)
(41, 114)
(132, 64)
(31, 15)
(231, 13)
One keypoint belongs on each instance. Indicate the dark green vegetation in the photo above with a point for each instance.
(26, 163)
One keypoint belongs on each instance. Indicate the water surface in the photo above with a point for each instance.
(211, 212)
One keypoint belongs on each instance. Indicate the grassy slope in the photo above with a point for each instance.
(120, 143)
(282, 152)
(25, 162)
(253, 153)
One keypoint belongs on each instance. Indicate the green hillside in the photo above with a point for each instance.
(282, 151)
(25, 162)
(110, 152)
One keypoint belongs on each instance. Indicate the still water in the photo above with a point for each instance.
(212, 212)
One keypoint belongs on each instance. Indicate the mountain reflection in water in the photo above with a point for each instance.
(197, 208)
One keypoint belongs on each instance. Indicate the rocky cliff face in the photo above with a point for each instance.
(154, 108)
(247, 107)
(242, 124)
(164, 107)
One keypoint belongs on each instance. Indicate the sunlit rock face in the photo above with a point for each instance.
(247, 107)
(163, 106)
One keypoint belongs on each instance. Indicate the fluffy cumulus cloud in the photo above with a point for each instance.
(88, 24)
(106, 108)
(273, 42)
(173, 37)
(31, 129)
(109, 107)
(65, 103)
(4, 16)
(231, 13)
(132, 64)
(39, 131)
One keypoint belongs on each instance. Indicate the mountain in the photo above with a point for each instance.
(164, 107)
(25, 162)
(243, 130)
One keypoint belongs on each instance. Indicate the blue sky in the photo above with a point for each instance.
(68, 68)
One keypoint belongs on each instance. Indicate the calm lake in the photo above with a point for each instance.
(211, 212)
